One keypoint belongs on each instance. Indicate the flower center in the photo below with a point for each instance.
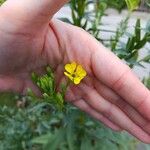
(73, 75)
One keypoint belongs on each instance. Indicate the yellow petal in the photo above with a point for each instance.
(71, 67)
(69, 76)
(77, 80)
(80, 71)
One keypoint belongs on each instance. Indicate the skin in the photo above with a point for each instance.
(30, 39)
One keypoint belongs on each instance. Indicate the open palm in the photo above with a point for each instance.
(29, 41)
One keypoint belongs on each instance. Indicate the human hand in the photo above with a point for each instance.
(30, 40)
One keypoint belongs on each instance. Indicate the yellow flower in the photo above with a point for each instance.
(75, 72)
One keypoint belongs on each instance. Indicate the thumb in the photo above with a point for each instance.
(31, 11)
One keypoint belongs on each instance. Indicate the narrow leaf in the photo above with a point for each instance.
(132, 4)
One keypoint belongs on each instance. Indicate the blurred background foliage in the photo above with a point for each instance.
(29, 124)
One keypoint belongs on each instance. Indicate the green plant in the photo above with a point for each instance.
(146, 81)
(132, 4)
(117, 4)
(2, 1)
(121, 30)
(148, 3)
(47, 86)
(130, 51)
(42, 125)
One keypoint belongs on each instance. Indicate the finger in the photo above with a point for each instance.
(81, 104)
(10, 84)
(113, 113)
(17, 84)
(32, 13)
(112, 72)
(74, 95)
(111, 96)
(28, 17)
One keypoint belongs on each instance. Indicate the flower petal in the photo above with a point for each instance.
(80, 71)
(77, 80)
(69, 76)
(71, 67)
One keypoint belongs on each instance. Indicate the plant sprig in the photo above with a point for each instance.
(47, 86)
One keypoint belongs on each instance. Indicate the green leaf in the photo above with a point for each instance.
(7, 99)
(56, 140)
(86, 144)
(141, 43)
(42, 139)
(65, 20)
(138, 30)
(2, 1)
(146, 81)
(130, 44)
(59, 101)
(34, 77)
(132, 4)
(148, 26)
(133, 57)
(146, 59)
(70, 136)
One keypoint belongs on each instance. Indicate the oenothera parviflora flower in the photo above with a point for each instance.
(75, 72)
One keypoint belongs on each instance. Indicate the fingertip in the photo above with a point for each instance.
(145, 140)
(142, 136)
